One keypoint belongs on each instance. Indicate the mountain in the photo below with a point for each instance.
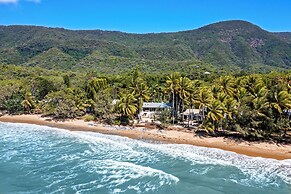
(229, 46)
(286, 36)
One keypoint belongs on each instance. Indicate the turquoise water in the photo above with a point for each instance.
(38, 159)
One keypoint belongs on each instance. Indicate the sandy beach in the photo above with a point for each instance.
(265, 150)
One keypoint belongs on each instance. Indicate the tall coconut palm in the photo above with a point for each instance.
(157, 93)
(260, 91)
(184, 91)
(140, 91)
(203, 100)
(215, 90)
(136, 74)
(253, 84)
(215, 112)
(259, 106)
(127, 105)
(94, 85)
(240, 94)
(173, 85)
(227, 85)
(230, 107)
(28, 103)
(282, 100)
(195, 90)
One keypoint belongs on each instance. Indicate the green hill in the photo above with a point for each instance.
(286, 36)
(53, 58)
(229, 46)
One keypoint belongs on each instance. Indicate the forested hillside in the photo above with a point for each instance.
(230, 46)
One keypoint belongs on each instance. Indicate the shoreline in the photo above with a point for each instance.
(254, 149)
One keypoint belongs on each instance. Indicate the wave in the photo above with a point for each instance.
(116, 174)
(120, 159)
(260, 170)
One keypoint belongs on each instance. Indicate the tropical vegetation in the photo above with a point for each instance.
(253, 106)
(229, 46)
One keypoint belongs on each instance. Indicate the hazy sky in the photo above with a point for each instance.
(141, 16)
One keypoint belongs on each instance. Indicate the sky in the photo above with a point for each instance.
(145, 16)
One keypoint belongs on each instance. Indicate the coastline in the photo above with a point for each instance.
(254, 149)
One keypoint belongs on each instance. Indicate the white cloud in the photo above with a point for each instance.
(16, 1)
(8, 1)
(34, 1)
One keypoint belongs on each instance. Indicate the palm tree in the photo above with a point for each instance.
(194, 91)
(172, 85)
(136, 74)
(215, 112)
(202, 100)
(157, 93)
(227, 85)
(281, 101)
(215, 90)
(184, 91)
(230, 107)
(260, 91)
(127, 105)
(240, 94)
(94, 85)
(259, 106)
(28, 103)
(140, 91)
(253, 84)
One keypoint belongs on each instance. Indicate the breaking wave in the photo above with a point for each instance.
(66, 161)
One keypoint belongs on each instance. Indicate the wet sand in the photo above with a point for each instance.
(255, 149)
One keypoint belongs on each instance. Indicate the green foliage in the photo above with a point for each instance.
(94, 85)
(103, 106)
(127, 106)
(29, 102)
(67, 80)
(224, 47)
(13, 104)
(88, 118)
(9, 88)
(63, 104)
(255, 106)
(164, 117)
(41, 87)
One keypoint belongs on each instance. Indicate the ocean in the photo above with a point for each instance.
(40, 159)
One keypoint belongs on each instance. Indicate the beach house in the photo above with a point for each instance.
(151, 109)
(191, 114)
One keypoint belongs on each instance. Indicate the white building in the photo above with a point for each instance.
(151, 109)
(191, 114)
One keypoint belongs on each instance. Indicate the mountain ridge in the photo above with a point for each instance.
(133, 33)
(229, 46)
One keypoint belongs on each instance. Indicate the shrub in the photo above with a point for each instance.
(88, 118)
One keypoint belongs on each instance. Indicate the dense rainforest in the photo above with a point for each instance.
(223, 47)
(255, 106)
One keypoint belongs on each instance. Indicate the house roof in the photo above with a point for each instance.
(156, 105)
(191, 111)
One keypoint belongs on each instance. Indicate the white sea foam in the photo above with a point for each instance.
(116, 174)
(122, 159)
(255, 168)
